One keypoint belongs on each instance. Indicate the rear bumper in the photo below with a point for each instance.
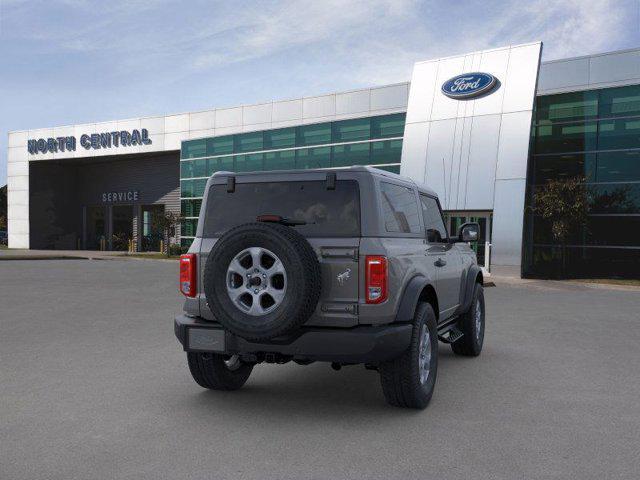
(362, 344)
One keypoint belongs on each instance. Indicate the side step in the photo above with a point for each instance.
(450, 335)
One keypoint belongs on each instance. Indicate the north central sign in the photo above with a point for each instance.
(93, 141)
(469, 85)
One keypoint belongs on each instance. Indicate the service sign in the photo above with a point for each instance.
(119, 197)
(93, 141)
(469, 85)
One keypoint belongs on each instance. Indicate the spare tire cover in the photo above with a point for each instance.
(262, 280)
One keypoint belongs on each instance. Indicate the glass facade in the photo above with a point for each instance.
(593, 135)
(375, 141)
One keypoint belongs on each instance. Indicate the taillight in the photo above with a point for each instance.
(188, 285)
(376, 278)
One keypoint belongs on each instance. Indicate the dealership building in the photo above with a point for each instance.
(486, 130)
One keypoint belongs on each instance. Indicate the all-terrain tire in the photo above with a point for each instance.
(303, 280)
(401, 377)
(209, 370)
(470, 344)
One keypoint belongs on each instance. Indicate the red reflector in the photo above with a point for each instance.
(376, 278)
(188, 275)
(269, 218)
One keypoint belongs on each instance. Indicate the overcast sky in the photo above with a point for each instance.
(74, 61)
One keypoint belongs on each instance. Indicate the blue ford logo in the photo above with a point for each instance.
(468, 85)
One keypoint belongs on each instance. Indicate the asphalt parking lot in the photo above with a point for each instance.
(93, 384)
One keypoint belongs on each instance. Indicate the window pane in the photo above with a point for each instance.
(575, 137)
(186, 242)
(399, 208)
(618, 167)
(388, 151)
(615, 134)
(186, 188)
(391, 168)
(280, 138)
(186, 169)
(566, 107)
(283, 160)
(618, 198)
(388, 126)
(313, 134)
(220, 145)
(550, 167)
(188, 227)
(585, 262)
(198, 187)
(601, 230)
(248, 142)
(220, 164)
(326, 212)
(345, 155)
(200, 168)
(433, 223)
(194, 148)
(313, 157)
(620, 102)
(249, 163)
(352, 130)
(191, 208)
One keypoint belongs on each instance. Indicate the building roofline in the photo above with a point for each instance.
(213, 109)
(602, 54)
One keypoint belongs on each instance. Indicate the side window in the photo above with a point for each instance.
(399, 208)
(436, 232)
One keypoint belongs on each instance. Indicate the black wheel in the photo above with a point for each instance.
(262, 280)
(472, 326)
(218, 372)
(409, 380)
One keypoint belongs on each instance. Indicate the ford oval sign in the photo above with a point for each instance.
(469, 85)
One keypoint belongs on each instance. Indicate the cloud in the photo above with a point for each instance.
(376, 38)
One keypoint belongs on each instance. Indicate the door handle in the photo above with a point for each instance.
(440, 263)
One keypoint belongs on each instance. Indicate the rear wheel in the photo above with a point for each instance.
(218, 372)
(409, 380)
(472, 326)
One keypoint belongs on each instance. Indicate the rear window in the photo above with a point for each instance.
(400, 208)
(328, 213)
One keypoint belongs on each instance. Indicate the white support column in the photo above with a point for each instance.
(18, 191)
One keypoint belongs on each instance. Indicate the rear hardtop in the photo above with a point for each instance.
(341, 258)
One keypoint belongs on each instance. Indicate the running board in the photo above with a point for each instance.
(451, 335)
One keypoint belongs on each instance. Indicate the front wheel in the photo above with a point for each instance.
(218, 372)
(409, 380)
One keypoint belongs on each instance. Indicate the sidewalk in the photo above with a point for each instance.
(20, 254)
(509, 276)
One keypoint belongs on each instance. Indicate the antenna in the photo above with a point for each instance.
(444, 184)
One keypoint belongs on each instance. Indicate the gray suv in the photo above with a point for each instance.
(343, 266)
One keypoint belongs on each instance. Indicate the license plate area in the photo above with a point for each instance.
(205, 340)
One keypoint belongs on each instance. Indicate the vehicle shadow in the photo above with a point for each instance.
(286, 392)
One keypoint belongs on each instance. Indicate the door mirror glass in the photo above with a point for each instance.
(469, 232)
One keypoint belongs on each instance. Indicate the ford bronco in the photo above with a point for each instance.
(350, 266)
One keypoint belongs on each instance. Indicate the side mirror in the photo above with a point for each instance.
(469, 232)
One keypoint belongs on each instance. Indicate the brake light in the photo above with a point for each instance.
(376, 278)
(188, 275)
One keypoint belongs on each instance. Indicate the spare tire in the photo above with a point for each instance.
(262, 280)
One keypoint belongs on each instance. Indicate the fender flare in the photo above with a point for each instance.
(470, 283)
(409, 300)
